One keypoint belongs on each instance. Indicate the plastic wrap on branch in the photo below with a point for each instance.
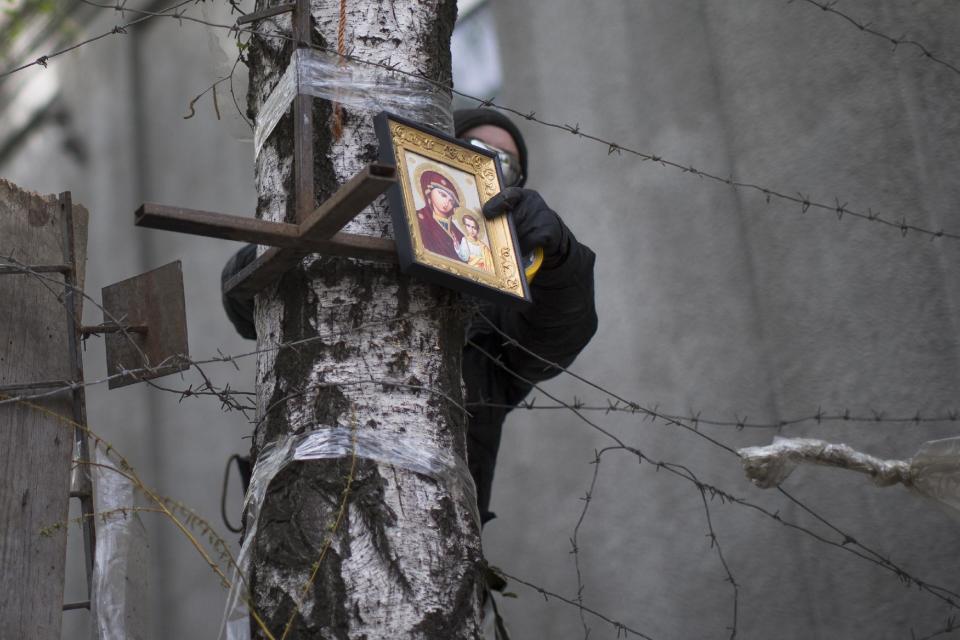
(933, 472)
(120, 586)
(404, 451)
(359, 87)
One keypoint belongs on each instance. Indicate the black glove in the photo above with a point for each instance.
(240, 312)
(537, 224)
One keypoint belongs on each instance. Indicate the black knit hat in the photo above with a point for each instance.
(466, 119)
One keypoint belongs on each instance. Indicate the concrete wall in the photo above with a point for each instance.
(711, 300)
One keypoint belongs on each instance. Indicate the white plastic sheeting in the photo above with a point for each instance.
(400, 450)
(358, 86)
(120, 588)
(934, 471)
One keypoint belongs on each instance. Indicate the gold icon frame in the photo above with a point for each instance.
(473, 176)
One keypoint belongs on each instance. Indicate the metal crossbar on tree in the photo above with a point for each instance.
(316, 228)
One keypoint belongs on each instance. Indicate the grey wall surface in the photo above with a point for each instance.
(126, 98)
(712, 302)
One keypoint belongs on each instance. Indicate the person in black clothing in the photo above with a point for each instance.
(556, 327)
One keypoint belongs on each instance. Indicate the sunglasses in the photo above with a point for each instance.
(509, 163)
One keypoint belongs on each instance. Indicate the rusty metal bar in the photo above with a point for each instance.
(351, 245)
(270, 266)
(258, 275)
(303, 123)
(349, 200)
(35, 268)
(264, 13)
(81, 482)
(318, 233)
(217, 225)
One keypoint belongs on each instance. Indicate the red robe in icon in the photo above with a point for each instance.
(436, 238)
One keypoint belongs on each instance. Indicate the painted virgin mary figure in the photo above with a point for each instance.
(437, 230)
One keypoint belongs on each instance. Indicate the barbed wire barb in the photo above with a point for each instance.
(865, 27)
(804, 202)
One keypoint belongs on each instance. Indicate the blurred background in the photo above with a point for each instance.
(713, 301)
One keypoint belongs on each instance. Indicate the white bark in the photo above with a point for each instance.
(405, 562)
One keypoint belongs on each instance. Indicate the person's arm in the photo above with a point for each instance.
(556, 327)
(562, 319)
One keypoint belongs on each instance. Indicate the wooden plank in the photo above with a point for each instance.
(216, 225)
(35, 448)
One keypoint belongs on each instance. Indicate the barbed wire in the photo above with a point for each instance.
(619, 403)
(676, 469)
(695, 419)
(948, 627)
(574, 542)
(208, 388)
(692, 421)
(184, 518)
(839, 207)
(707, 492)
(865, 27)
(50, 281)
(848, 542)
(547, 594)
(120, 29)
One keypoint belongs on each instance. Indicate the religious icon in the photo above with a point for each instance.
(440, 231)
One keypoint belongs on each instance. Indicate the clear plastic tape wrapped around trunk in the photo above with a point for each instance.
(403, 451)
(357, 86)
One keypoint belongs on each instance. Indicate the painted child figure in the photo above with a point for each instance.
(472, 249)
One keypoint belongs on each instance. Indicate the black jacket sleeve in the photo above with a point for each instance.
(239, 312)
(556, 327)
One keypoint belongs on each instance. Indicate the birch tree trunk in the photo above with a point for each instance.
(405, 560)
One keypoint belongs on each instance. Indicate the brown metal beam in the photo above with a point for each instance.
(269, 267)
(349, 200)
(351, 245)
(217, 225)
(318, 233)
(265, 13)
(305, 196)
